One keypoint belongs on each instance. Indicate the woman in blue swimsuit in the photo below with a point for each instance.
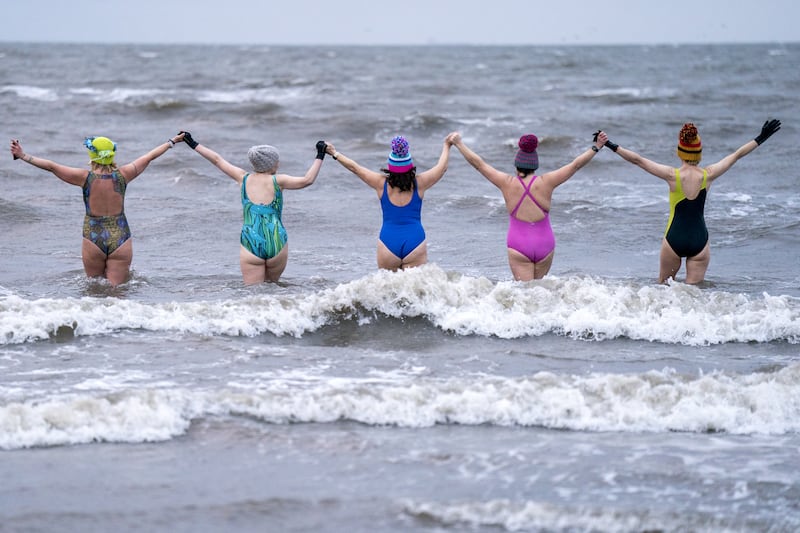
(264, 252)
(686, 235)
(107, 248)
(401, 243)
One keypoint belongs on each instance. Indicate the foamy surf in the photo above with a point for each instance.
(579, 307)
(655, 401)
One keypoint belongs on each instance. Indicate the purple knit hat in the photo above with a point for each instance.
(527, 158)
(399, 160)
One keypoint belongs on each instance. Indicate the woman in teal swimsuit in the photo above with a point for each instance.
(107, 249)
(686, 234)
(264, 252)
(401, 243)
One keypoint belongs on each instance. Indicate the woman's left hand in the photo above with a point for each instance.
(16, 149)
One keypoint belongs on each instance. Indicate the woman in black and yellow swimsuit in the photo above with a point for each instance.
(686, 234)
(107, 249)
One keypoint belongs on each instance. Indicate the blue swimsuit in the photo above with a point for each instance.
(402, 228)
(263, 234)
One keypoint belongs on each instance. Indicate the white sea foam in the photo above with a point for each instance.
(253, 96)
(34, 93)
(655, 401)
(579, 307)
(508, 515)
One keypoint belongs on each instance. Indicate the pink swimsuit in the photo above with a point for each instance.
(534, 240)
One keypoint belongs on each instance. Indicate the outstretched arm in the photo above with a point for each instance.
(488, 171)
(137, 166)
(300, 182)
(658, 170)
(71, 175)
(719, 168)
(428, 179)
(559, 176)
(214, 158)
(370, 177)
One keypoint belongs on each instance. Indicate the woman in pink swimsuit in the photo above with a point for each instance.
(530, 240)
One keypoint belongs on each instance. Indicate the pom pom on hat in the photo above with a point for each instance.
(399, 159)
(690, 148)
(101, 150)
(263, 157)
(527, 158)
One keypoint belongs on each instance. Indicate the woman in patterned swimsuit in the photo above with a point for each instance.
(686, 234)
(107, 248)
(264, 252)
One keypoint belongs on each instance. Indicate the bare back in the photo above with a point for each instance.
(691, 181)
(260, 189)
(104, 197)
(514, 195)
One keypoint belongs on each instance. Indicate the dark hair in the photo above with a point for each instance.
(401, 180)
(525, 171)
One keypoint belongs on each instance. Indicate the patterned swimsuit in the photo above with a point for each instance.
(107, 232)
(263, 234)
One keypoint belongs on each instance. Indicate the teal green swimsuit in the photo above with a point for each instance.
(263, 234)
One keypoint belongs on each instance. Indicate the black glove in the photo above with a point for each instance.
(608, 144)
(189, 140)
(769, 127)
(321, 146)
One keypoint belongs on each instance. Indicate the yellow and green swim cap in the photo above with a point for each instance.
(101, 150)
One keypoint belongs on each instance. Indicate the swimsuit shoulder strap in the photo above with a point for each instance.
(678, 186)
(705, 178)
(244, 188)
(528, 194)
(119, 182)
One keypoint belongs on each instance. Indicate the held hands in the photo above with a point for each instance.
(188, 139)
(612, 146)
(767, 130)
(329, 149)
(453, 138)
(600, 139)
(322, 148)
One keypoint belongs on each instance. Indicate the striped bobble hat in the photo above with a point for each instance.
(689, 146)
(399, 159)
(527, 158)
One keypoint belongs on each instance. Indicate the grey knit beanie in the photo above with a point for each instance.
(264, 158)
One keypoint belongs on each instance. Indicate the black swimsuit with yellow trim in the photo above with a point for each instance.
(687, 233)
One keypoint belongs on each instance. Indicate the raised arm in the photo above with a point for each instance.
(665, 172)
(370, 177)
(427, 179)
(559, 176)
(719, 168)
(214, 158)
(301, 182)
(71, 175)
(137, 166)
(486, 170)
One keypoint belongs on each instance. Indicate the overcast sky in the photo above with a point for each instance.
(401, 22)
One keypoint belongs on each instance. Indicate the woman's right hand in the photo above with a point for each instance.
(329, 148)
